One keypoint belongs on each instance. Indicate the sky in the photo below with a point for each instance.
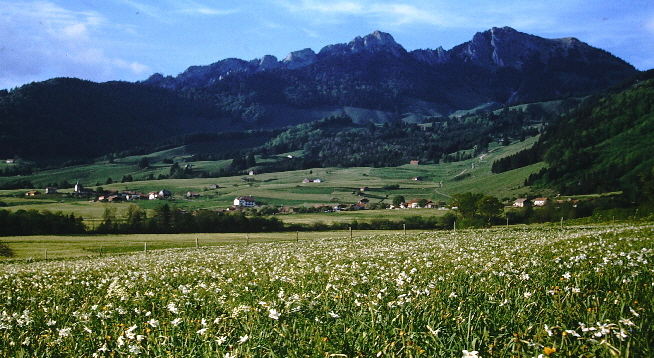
(129, 40)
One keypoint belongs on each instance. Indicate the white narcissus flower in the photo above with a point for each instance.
(273, 314)
(470, 354)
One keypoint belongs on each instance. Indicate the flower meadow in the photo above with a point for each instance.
(511, 292)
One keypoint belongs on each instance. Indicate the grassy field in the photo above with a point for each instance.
(519, 292)
(63, 247)
(338, 185)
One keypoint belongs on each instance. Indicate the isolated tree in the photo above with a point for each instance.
(398, 200)
(490, 207)
(144, 162)
(5, 250)
(466, 204)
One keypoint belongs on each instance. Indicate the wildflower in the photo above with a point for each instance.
(243, 339)
(333, 315)
(134, 349)
(470, 354)
(273, 314)
(527, 294)
(627, 322)
(633, 312)
(221, 340)
(524, 276)
(64, 332)
(201, 331)
(172, 308)
(453, 294)
(567, 275)
(572, 333)
(176, 321)
(548, 330)
(51, 323)
(153, 322)
(549, 350)
(621, 334)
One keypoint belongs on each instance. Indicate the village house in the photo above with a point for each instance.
(521, 203)
(79, 189)
(244, 201)
(541, 201)
(131, 195)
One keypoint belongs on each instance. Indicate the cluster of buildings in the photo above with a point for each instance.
(524, 202)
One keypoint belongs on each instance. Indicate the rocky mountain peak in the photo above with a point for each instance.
(297, 59)
(375, 41)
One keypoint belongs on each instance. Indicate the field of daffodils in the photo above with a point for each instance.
(518, 292)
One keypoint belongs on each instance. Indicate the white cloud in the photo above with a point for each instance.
(42, 40)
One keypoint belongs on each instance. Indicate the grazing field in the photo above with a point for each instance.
(521, 292)
(339, 185)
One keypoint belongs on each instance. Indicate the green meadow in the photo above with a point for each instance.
(536, 291)
(339, 185)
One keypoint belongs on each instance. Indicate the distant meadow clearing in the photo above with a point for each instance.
(518, 292)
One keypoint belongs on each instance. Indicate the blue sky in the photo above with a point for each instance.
(103, 40)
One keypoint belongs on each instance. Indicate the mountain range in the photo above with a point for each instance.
(370, 79)
(500, 65)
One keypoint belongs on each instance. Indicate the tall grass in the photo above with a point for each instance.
(528, 292)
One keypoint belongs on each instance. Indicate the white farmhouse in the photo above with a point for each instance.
(245, 201)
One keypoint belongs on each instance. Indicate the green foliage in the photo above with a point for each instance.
(605, 145)
(466, 203)
(5, 250)
(33, 222)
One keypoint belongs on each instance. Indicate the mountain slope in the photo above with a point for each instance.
(371, 78)
(70, 118)
(604, 146)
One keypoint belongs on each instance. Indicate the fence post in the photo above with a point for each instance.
(145, 247)
(350, 232)
(196, 243)
(46, 254)
(404, 226)
(297, 236)
(247, 239)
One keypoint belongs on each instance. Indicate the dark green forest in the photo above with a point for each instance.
(605, 145)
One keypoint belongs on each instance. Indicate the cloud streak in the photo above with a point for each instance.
(41, 39)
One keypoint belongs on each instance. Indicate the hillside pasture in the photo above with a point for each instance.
(338, 185)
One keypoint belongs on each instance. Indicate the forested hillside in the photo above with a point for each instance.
(605, 145)
(66, 118)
